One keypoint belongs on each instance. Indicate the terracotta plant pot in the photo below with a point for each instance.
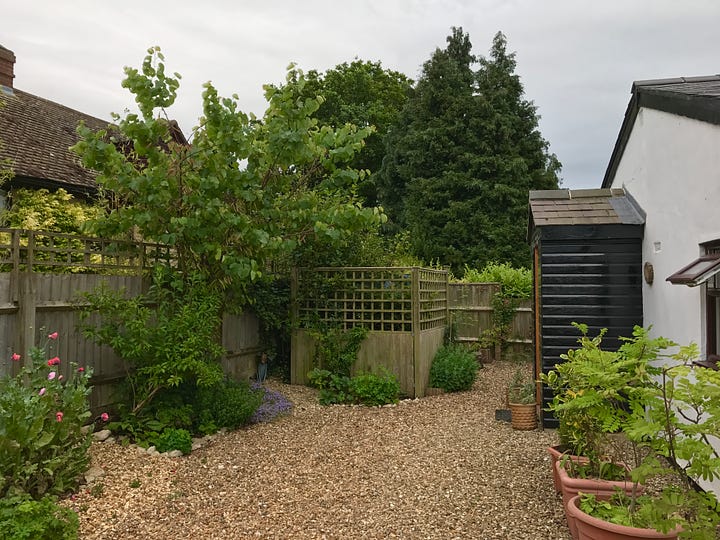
(592, 528)
(602, 489)
(524, 416)
(556, 454)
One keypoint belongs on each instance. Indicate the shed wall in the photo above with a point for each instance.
(591, 277)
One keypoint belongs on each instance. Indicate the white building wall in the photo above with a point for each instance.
(671, 166)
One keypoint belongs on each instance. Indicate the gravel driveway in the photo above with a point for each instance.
(439, 467)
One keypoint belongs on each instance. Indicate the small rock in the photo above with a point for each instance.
(102, 435)
(196, 446)
(93, 473)
(150, 449)
(86, 429)
(175, 453)
(110, 440)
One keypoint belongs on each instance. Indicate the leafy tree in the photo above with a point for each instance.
(246, 191)
(463, 157)
(364, 94)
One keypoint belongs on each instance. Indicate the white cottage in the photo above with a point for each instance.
(667, 157)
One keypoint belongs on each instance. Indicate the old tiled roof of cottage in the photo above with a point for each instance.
(36, 135)
(583, 207)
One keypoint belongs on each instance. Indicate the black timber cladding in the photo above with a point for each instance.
(589, 272)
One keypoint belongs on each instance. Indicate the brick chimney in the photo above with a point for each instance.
(7, 70)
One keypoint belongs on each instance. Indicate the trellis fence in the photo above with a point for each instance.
(34, 302)
(404, 309)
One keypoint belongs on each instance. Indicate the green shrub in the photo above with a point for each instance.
(229, 404)
(333, 388)
(372, 389)
(22, 518)
(365, 388)
(174, 439)
(167, 337)
(516, 282)
(42, 448)
(453, 369)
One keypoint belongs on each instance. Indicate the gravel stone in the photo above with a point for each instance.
(439, 467)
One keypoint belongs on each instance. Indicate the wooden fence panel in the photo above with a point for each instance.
(471, 311)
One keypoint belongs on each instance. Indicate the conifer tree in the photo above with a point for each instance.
(464, 156)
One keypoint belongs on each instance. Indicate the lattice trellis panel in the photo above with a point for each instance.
(381, 299)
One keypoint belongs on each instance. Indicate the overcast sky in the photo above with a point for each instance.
(576, 58)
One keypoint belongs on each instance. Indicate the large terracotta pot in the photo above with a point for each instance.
(602, 489)
(592, 528)
(556, 454)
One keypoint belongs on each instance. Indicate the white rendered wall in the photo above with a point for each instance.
(671, 166)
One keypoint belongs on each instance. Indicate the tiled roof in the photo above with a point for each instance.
(36, 135)
(583, 207)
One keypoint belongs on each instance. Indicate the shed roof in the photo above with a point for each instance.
(583, 207)
(692, 97)
(36, 135)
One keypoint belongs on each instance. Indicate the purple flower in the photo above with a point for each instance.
(273, 404)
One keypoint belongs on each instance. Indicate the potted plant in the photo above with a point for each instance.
(521, 398)
(671, 426)
(594, 390)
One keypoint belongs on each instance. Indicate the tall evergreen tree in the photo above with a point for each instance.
(463, 157)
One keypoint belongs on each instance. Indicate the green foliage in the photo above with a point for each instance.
(463, 157)
(173, 342)
(42, 448)
(453, 369)
(333, 388)
(371, 389)
(173, 439)
(361, 93)
(365, 388)
(335, 349)
(23, 518)
(43, 210)
(666, 409)
(246, 192)
(515, 282)
(520, 389)
(230, 404)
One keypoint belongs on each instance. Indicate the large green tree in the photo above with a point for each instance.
(364, 94)
(245, 192)
(463, 157)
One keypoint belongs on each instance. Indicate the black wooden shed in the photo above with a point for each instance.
(587, 267)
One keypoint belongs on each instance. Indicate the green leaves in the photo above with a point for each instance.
(246, 192)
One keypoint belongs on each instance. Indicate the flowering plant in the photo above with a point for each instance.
(42, 410)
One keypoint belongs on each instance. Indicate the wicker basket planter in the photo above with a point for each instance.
(524, 416)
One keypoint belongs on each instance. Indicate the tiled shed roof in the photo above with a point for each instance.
(583, 207)
(36, 135)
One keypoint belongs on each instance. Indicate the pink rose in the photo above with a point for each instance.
(15, 357)
(54, 335)
(104, 417)
(81, 369)
(53, 361)
(51, 375)
(42, 391)
(59, 416)
(60, 377)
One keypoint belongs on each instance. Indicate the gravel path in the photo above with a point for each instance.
(440, 467)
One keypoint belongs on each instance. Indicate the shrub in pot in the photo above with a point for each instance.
(672, 433)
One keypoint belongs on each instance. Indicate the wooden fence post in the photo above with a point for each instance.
(26, 306)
